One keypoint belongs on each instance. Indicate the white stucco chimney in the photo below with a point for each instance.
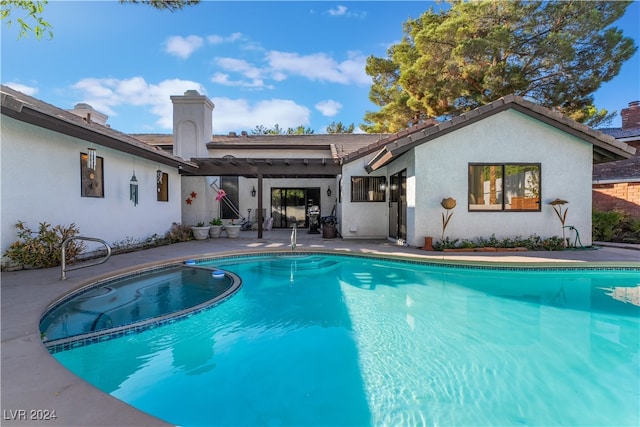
(90, 115)
(192, 124)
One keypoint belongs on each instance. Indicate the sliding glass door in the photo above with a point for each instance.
(290, 206)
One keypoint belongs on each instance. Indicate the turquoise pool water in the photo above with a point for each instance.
(135, 301)
(330, 340)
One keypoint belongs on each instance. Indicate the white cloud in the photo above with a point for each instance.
(328, 108)
(338, 11)
(341, 10)
(224, 80)
(216, 39)
(320, 67)
(239, 114)
(106, 94)
(183, 47)
(239, 66)
(27, 90)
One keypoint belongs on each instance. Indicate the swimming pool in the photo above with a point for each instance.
(344, 340)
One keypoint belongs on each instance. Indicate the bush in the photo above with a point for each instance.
(615, 226)
(445, 243)
(45, 249)
(178, 233)
(554, 243)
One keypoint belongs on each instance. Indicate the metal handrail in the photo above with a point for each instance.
(63, 264)
(294, 237)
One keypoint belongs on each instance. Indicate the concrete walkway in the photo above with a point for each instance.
(32, 380)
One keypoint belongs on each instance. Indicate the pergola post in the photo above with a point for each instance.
(259, 216)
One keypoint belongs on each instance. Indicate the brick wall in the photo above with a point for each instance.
(623, 196)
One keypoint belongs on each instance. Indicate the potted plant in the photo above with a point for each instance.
(233, 230)
(216, 227)
(200, 232)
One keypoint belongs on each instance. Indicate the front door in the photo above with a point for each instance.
(398, 205)
(290, 206)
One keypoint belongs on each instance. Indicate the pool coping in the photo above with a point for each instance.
(33, 380)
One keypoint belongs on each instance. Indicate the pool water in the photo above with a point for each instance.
(330, 340)
(133, 301)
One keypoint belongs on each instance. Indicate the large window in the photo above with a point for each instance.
(504, 187)
(368, 188)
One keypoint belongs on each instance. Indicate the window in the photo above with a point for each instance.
(162, 181)
(504, 187)
(368, 188)
(228, 209)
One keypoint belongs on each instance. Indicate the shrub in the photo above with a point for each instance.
(445, 243)
(554, 243)
(178, 233)
(44, 248)
(606, 225)
(615, 226)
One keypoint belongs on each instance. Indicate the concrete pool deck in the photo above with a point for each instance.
(33, 383)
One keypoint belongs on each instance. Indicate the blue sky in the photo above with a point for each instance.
(262, 63)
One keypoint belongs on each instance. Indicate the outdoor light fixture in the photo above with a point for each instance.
(329, 191)
(159, 176)
(133, 189)
(91, 159)
(383, 186)
(394, 187)
(253, 191)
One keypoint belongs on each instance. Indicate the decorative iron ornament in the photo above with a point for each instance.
(133, 189)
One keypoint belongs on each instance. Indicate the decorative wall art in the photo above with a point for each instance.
(91, 175)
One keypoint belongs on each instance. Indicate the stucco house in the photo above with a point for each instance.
(502, 163)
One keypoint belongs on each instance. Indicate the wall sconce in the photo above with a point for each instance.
(133, 189)
(328, 191)
(253, 191)
(394, 187)
(159, 176)
(383, 185)
(91, 159)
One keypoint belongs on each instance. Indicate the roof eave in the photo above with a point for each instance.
(11, 107)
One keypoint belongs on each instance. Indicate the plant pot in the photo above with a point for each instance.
(233, 231)
(428, 244)
(214, 231)
(200, 233)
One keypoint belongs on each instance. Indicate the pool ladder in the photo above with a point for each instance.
(63, 263)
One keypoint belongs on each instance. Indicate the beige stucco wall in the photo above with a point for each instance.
(507, 137)
(41, 182)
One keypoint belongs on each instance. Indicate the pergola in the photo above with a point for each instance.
(266, 168)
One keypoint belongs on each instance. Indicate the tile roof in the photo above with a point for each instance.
(620, 133)
(606, 148)
(341, 144)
